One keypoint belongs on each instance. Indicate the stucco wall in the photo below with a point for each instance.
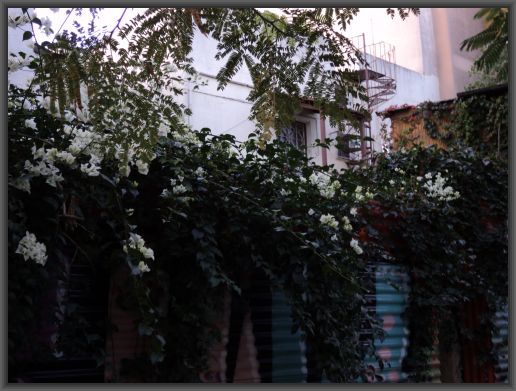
(403, 34)
(451, 27)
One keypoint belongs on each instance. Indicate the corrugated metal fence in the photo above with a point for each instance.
(275, 354)
(500, 344)
(391, 300)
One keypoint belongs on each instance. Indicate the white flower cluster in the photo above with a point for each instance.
(360, 196)
(186, 138)
(45, 169)
(18, 18)
(200, 173)
(136, 242)
(323, 182)
(16, 63)
(143, 267)
(354, 245)
(435, 188)
(45, 25)
(177, 187)
(128, 155)
(30, 248)
(44, 166)
(93, 167)
(329, 220)
(347, 224)
(83, 140)
(143, 168)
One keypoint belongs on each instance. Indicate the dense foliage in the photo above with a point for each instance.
(293, 221)
(478, 120)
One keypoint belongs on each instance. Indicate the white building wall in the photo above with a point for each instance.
(227, 111)
(405, 34)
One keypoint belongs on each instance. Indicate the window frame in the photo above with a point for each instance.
(305, 126)
(346, 150)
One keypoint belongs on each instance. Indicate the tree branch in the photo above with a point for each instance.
(117, 26)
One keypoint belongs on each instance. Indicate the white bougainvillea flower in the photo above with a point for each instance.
(199, 172)
(30, 248)
(30, 123)
(93, 167)
(435, 188)
(148, 253)
(143, 168)
(179, 189)
(137, 243)
(323, 182)
(329, 220)
(347, 224)
(46, 24)
(143, 267)
(354, 245)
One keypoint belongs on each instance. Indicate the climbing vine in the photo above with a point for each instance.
(478, 120)
(453, 241)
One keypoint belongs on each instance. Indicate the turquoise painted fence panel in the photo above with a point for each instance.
(391, 300)
(500, 343)
(288, 351)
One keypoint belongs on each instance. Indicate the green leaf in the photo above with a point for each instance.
(27, 35)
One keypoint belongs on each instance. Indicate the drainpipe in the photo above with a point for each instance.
(322, 124)
(188, 101)
(362, 132)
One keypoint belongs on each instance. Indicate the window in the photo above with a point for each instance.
(295, 134)
(348, 146)
(349, 143)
